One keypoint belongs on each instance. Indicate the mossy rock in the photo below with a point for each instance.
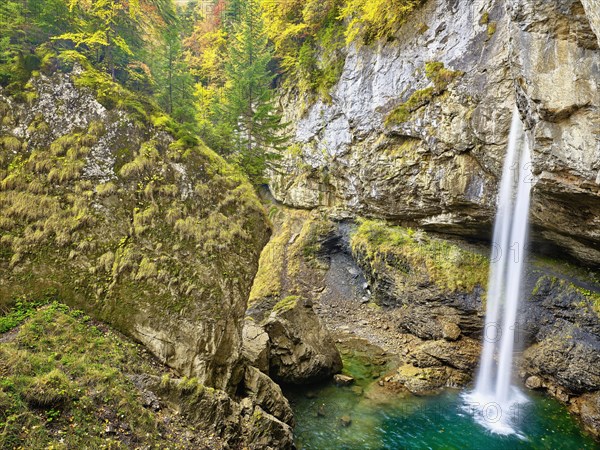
(411, 258)
(159, 237)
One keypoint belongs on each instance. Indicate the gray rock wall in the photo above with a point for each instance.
(439, 168)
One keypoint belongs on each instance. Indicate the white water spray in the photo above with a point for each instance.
(495, 399)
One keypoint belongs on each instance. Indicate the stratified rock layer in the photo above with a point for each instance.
(437, 166)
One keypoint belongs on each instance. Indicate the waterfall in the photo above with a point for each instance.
(494, 399)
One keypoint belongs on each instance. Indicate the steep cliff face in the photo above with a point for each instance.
(283, 336)
(127, 223)
(416, 128)
(103, 209)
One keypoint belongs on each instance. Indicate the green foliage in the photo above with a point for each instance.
(137, 42)
(446, 264)
(26, 25)
(248, 107)
(310, 36)
(20, 311)
(309, 41)
(173, 78)
(375, 19)
(101, 28)
(441, 78)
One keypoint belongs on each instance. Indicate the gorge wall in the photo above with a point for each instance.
(415, 133)
(415, 130)
(104, 208)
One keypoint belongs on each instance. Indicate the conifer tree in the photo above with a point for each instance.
(248, 106)
(23, 27)
(100, 27)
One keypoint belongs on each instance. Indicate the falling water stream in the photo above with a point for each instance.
(495, 400)
(380, 421)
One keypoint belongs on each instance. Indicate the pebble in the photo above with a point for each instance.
(342, 380)
(345, 421)
(321, 410)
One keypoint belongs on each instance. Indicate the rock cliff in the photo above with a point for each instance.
(105, 209)
(283, 336)
(415, 130)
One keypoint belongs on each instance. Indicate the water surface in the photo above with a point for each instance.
(384, 420)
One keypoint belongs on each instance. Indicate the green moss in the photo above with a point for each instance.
(418, 99)
(422, 28)
(485, 18)
(491, 29)
(63, 381)
(441, 78)
(106, 189)
(308, 243)
(286, 304)
(406, 251)
(11, 143)
(267, 283)
(593, 297)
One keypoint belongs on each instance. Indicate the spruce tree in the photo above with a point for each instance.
(248, 106)
(101, 27)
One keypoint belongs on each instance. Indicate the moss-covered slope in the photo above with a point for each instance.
(406, 264)
(67, 382)
(102, 206)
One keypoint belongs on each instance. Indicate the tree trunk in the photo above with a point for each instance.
(109, 55)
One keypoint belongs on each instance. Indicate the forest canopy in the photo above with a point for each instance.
(212, 66)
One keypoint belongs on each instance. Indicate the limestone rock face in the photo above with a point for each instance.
(565, 330)
(561, 333)
(256, 345)
(243, 424)
(301, 349)
(112, 215)
(588, 407)
(266, 394)
(438, 168)
(283, 336)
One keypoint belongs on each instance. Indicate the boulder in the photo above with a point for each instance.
(255, 346)
(533, 382)
(266, 394)
(342, 380)
(345, 421)
(301, 349)
(129, 224)
(588, 407)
